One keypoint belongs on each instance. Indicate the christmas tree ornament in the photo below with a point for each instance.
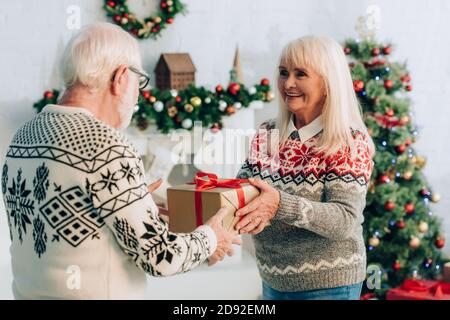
(423, 227)
(207, 100)
(414, 243)
(196, 101)
(404, 120)
(409, 208)
(172, 112)
(389, 205)
(401, 148)
(237, 105)
(347, 50)
(427, 263)
(234, 88)
(439, 243)
(252, 90)
(186, 123)
(158, 106)
(388, 84)
(358, 85)
(401, 224)
(396, 266)
(219, 88)
(409, 88)
(390, 113)
(178, 99)
(146, 94)
(375, 52)
(408, 175)
(265, 82)
(374, 242)
(222, 105)
(435, 197)
(48, 95)
(387, 50)
(270, 96)
(152, 99)
(189, 108)
(230, 110)
(384, 179)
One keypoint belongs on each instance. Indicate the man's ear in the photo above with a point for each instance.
(119, 80)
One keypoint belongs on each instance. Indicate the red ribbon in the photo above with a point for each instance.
(437, 289)
(211, 183)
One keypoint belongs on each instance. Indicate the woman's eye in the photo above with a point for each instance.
(284, 73)
(300, 74)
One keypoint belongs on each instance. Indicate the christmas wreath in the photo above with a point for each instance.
(172, 109)
(149, 27)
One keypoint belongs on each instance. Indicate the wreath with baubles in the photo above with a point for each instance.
(149, 27)
(172, 109)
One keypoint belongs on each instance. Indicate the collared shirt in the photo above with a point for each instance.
(306, 132)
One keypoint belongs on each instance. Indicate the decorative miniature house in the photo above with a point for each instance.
(174, 71)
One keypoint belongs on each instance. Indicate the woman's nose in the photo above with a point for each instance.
(289, 83)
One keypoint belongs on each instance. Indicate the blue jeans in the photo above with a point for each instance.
(352, 292)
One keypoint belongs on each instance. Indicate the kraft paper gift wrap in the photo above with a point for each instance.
(192, 204)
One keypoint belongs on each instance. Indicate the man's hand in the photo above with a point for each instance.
(257, 214)
(225, 238)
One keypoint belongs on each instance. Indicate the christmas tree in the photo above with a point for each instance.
(403, 237)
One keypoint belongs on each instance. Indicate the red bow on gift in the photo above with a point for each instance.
(211, 183)
(437, 289)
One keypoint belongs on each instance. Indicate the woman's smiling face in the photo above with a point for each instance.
(301, 88)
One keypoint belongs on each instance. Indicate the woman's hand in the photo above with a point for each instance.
(257, 214)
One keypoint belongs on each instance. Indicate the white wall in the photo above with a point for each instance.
(33, 34)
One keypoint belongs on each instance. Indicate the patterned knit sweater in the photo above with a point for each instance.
(82, 222)
(315, 240)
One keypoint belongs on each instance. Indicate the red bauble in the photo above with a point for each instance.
(230, 110)
(358, 85)
(163, 5)
(234, 88)
(178, 99)
(169, 20)
(409, 88)
(375, 52)
(48, 95)
(347, 50)
(401, 224)
(117, 18)
(387, 50)
(388, 84)
(265, 82)
(401, 148)
(408, 142)
(384, 179)
(390, 113)
(439, 243)
(146, 94)
(409, 207)
(405, 78)
(396, 266)
(135, 31)
(125, 15)
(219, 88)
(389, 206)
(111, 4)
(154, 29)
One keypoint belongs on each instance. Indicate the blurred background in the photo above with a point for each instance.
(34, 33)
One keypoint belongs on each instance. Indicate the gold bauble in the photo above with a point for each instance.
(414, 243)
(196, 101)
(423, 227)
(189, 108)
(374, 242)
(435, 197)
(408, 175)
(172, 112)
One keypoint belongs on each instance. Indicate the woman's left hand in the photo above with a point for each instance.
(257, 214)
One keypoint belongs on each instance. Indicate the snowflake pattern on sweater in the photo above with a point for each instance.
(74, 190)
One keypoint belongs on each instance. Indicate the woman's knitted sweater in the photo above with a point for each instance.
(315, 239)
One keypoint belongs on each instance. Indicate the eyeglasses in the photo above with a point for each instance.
(144, 79)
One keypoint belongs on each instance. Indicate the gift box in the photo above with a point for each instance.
(191, 205)
(420, 290)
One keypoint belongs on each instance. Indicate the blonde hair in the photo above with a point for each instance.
(92, 55)
(341, 110)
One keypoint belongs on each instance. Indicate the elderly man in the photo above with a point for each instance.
(82, 221)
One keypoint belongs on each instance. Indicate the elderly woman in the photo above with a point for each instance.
(313, 164)
(83, 224)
